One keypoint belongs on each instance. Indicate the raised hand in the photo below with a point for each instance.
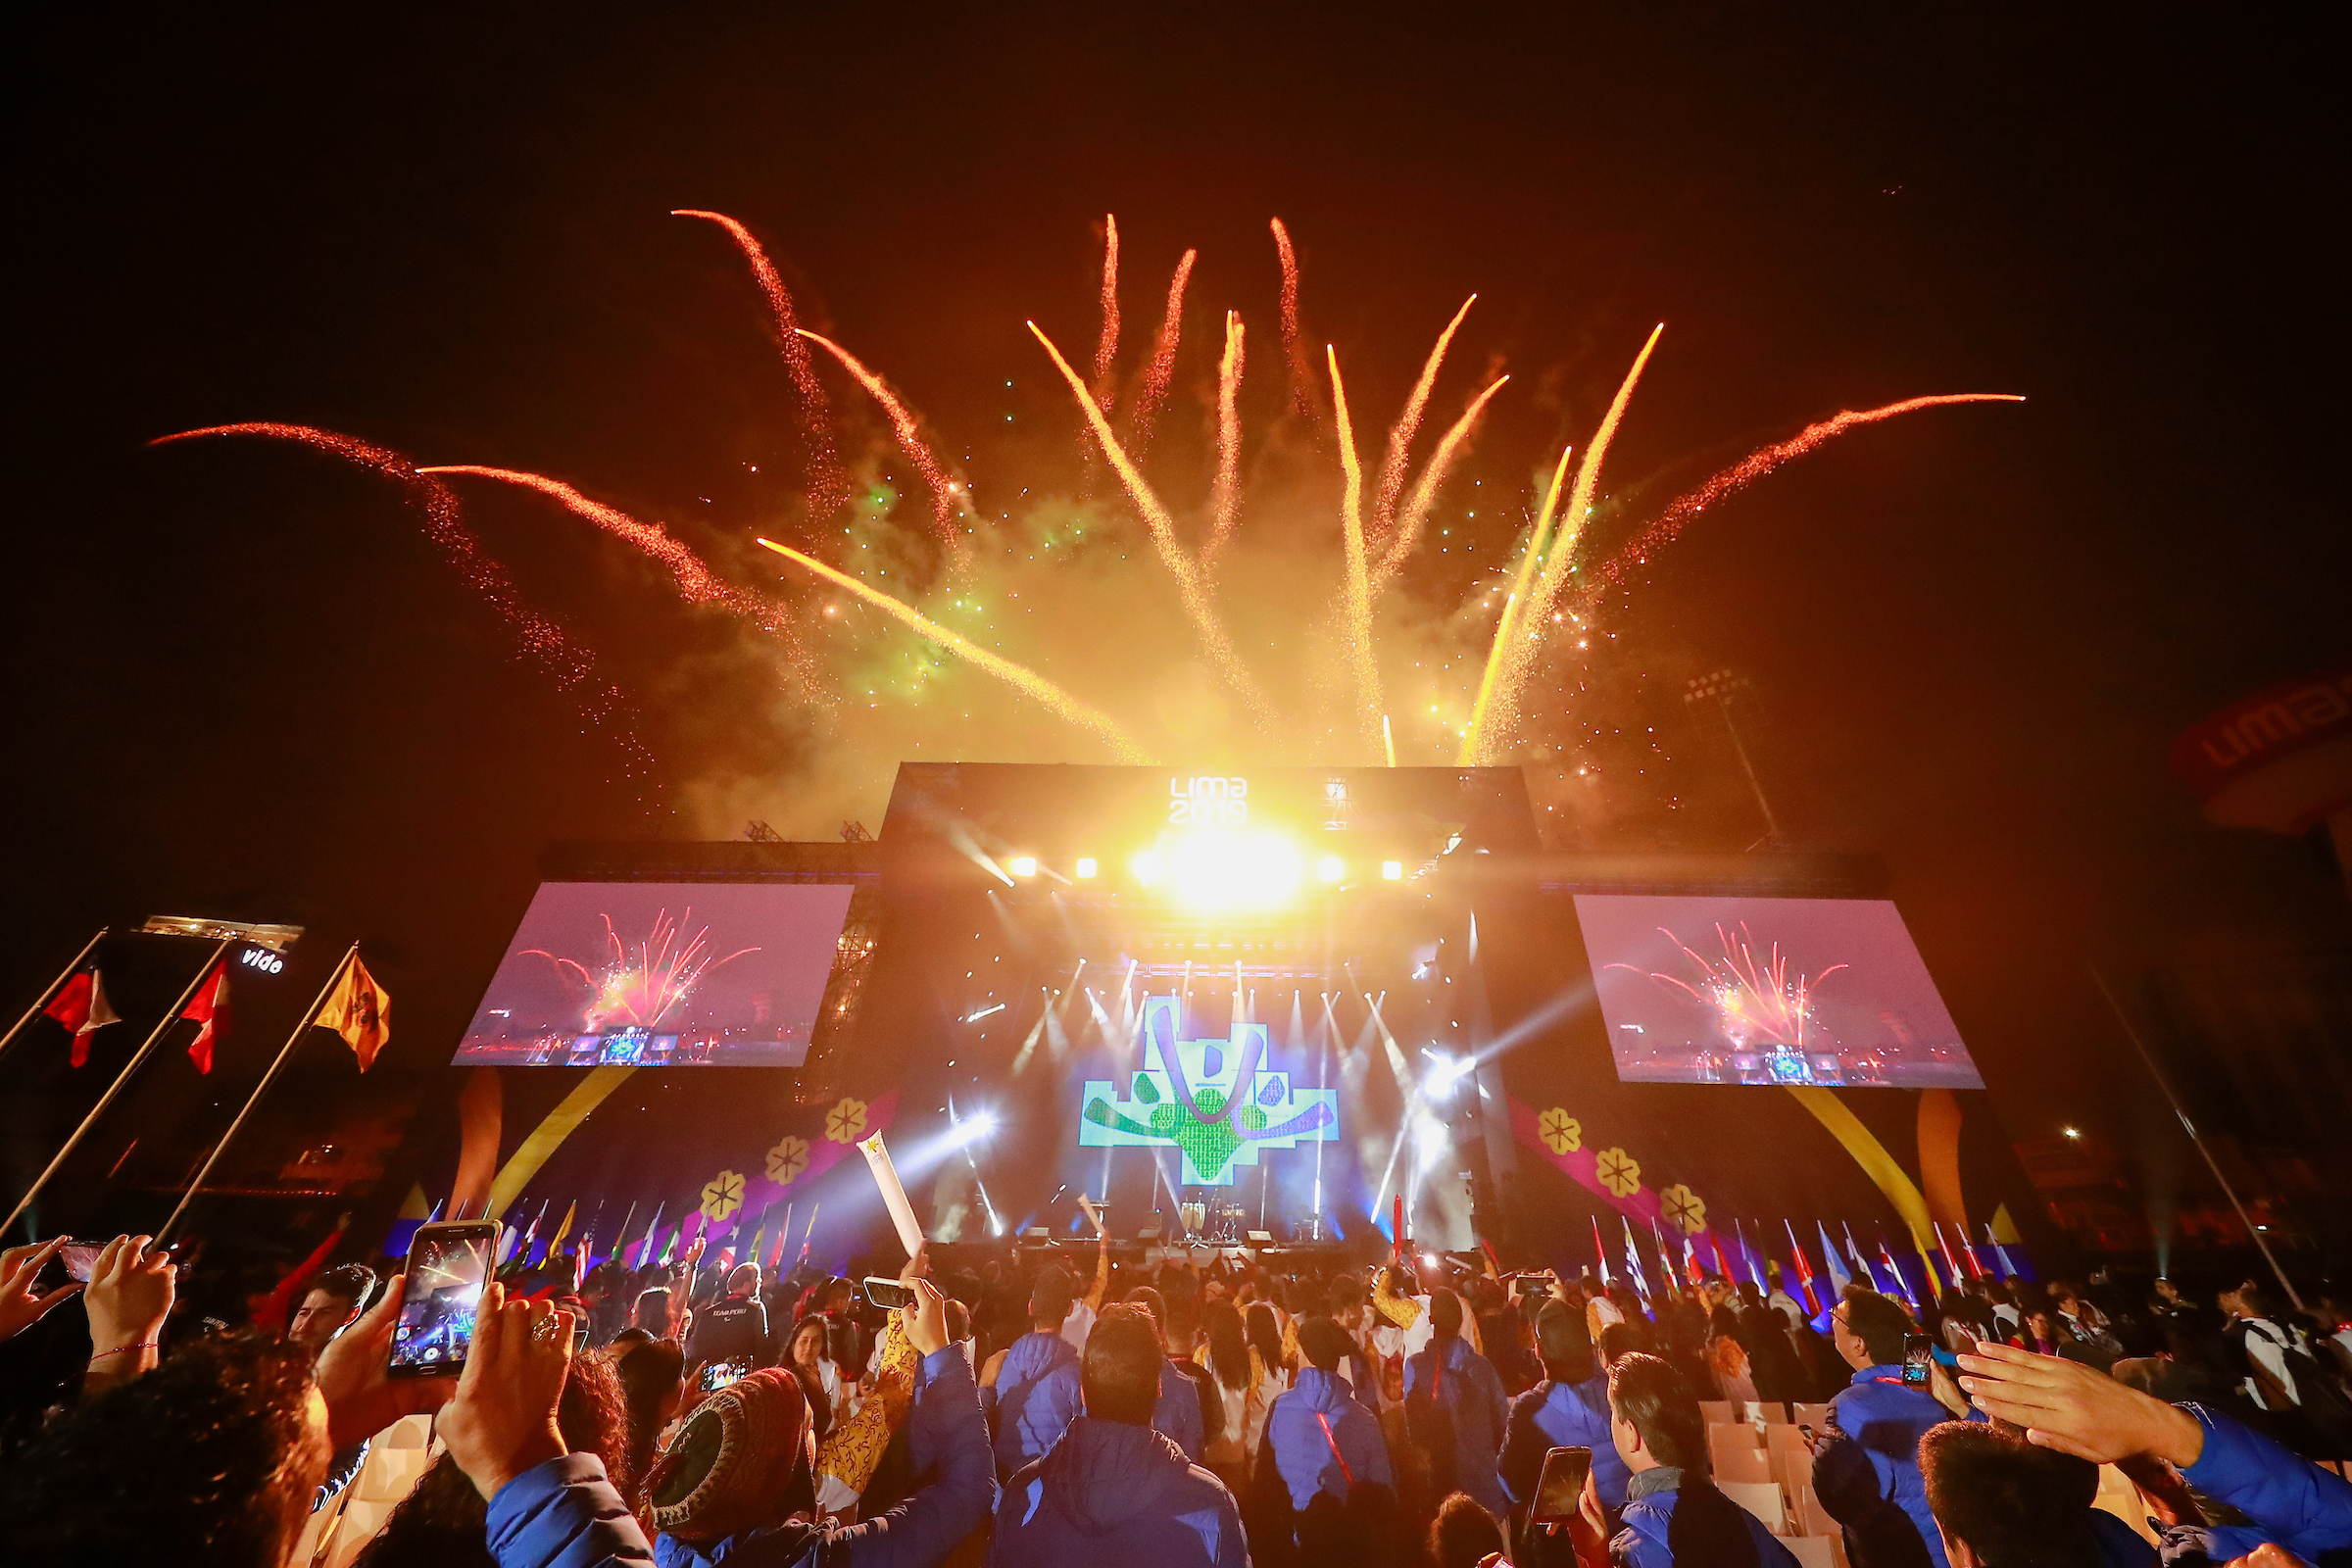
(129, 1295)
(21, 1306)
(360, 1399)
(925, 1318)
(502, 1420)
(2077, 1409)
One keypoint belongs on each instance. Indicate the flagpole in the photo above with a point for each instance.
(55, 986)
(138, 1060)
(283, 1053)
(2190, 1128)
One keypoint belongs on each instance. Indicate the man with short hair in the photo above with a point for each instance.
(1871, 1460)
(330, 1305)
(1673, 1512)
(1113, 1490)
(734, 1327)
(2000, 1502)
(1568, 1410)
(1032, 1388)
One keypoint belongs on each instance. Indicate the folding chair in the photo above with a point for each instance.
(1718, 1412)
(1762, 1499)
(1746, 1466)
(1815, 1416)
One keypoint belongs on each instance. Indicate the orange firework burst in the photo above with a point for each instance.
(1153, 395)
(1400, 435)
(828, 487)
(573, 667)
(1106, 347)
(1757, 464)
(642, 987)
(1302, 370)
(910, 442)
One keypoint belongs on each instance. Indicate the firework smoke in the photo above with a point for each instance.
(1020, 676)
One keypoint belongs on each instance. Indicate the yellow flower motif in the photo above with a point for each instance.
(1685, 1209)
(845, 1123)
(722, 1197)
(1561, 1132)
(787, 1160)
(1619, 1173)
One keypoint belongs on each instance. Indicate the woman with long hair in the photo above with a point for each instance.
(819, 1379)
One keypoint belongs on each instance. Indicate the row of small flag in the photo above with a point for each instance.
(1742, 1259)
(523, 1249)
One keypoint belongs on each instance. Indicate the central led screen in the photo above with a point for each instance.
(1699, 989)
(659, 974)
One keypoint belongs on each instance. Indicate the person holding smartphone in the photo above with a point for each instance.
(1868, 1469)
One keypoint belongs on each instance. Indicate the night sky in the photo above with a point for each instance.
(244, 683)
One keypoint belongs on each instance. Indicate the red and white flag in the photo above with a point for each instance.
(82, 1008)
(210, 1010)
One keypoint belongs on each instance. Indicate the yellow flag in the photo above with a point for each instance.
(360, 1010)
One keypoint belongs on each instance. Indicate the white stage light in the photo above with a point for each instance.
(1146, 867)
(972, 1129)
(1024, 866)
(1392, 871)
(1086, 869)
(1225, 869)
(1331, 869)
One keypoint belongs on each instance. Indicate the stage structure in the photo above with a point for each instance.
(1263, 1006)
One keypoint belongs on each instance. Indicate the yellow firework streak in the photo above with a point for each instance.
(1188, 586)
(1351, 530)
(1408, 531)
(1401, 438)
(1510, 606)
(1018, 676)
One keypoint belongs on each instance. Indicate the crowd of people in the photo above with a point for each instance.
(1203, 1408)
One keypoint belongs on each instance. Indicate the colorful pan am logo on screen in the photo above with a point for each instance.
(1215, 1099)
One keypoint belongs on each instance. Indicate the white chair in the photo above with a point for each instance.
(1762, 1499)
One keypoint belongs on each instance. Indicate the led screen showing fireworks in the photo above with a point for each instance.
(661, 974)
(1768, 991)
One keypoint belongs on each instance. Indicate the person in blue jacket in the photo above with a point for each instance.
(1176, 1413)
(1879, 1421)
(1673, 1512)
(1033, 1390)
(1568, 1410)
(1113, 1490)
(1456, 1408)
(2076, 1410)
(1319, 1440)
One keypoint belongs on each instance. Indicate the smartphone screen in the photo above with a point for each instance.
(1560, 1489)
(888, 1294)
(78, 1258)
(1919, 1353)
(719, 1374)
(448, 1267)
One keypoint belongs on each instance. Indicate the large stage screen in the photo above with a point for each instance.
(661, 974)
(1701, 988)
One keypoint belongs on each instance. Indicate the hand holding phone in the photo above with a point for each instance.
(716, 1375)
(1919, 1357)
(888, 1294)
(1560, 1488)
(441, 1298)
(23, 1302)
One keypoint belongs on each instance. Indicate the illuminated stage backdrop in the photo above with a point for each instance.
(1215, 1099)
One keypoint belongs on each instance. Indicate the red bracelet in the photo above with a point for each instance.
(126, 1349)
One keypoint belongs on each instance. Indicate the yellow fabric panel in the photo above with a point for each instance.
(1940, 1156)
(549, 1135)
(1871, 1154)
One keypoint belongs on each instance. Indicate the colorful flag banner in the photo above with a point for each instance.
(209, 1009)
(360, 1010)
(81, 1007)
(1804, 1271)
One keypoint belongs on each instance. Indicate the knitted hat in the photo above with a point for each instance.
(725, 1470)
